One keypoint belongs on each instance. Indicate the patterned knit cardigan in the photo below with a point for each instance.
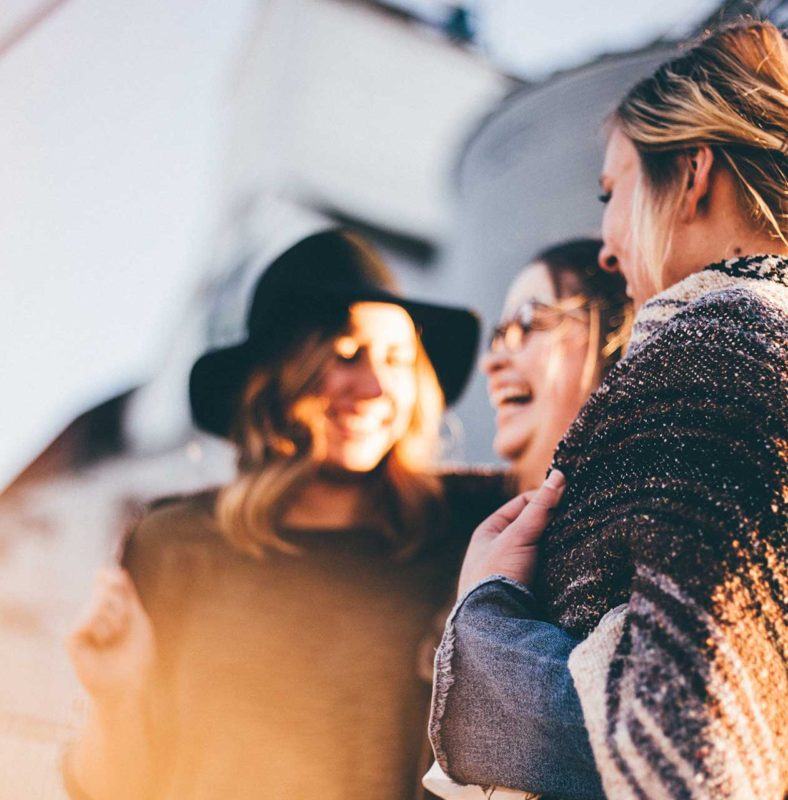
(676, 511)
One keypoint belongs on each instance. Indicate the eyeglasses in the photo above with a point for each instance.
(511, 336)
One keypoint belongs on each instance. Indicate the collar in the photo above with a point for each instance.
(764, 274)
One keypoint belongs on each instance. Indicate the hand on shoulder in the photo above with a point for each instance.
(112, 645)
(506, 543)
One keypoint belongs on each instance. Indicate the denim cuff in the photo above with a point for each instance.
(487, 589)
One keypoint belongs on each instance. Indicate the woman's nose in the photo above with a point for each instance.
(608, 260)
(492, 361)
(367, 384)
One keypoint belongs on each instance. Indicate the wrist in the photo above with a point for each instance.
(519, 566)
(516, 576)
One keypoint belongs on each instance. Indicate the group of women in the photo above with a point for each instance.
(619, 629)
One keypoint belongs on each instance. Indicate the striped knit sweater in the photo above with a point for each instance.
(675, 521)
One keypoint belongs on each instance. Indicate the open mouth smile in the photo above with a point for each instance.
(511, 396)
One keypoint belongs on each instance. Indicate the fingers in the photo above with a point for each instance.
(106, 618)
(548, 495)
(529, 525)
(501, 518)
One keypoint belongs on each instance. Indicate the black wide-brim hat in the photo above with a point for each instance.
(302, 291)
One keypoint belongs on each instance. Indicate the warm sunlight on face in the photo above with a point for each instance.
(534, 379)
(369, 388)
(620, 175)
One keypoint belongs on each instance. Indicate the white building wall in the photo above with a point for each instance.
(343, 107)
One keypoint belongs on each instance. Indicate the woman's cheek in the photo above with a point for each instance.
(408, 403)
(400, 388)
(333, 383)
(531, 363)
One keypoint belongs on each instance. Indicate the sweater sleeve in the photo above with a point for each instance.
(684, 693)
(505, 712)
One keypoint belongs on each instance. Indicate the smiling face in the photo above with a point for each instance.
(620, 176)
(369, 388)
(536, 388)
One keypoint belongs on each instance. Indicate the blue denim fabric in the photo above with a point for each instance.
(505, 711)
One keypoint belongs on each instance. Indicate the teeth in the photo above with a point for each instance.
(503, 395)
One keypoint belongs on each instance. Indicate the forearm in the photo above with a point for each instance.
(113, 759)
(505, 711)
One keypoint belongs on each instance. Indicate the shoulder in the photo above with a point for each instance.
(730, 342)
(177, 517)
(757, 313)
(477, 479)
(168, 528)
(730, 322)
(707, 391)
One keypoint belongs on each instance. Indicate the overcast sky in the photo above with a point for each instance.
(533, 39)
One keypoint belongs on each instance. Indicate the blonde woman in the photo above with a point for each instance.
(262, 639)
(666, 558)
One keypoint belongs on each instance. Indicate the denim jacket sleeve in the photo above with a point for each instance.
(504, 710)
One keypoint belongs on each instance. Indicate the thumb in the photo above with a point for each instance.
(529, 525)
(127, 586)
(118, 581)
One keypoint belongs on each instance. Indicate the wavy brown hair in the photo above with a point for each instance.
(276, 432)
(729, 92)
(573, 267)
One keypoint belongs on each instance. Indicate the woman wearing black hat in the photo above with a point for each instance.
(262, 640)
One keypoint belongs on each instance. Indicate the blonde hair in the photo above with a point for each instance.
(275, 434)
(730, 92)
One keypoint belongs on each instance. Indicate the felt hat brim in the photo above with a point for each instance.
(450, 337)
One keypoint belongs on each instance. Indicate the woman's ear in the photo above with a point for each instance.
(701, 161)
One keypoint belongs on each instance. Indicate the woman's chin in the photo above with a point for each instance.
(356, 458)
(510, 445)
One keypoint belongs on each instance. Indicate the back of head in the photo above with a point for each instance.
(730, 92)
(574, 268)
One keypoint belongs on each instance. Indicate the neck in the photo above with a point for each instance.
(744, 246)
(532, 466)
(330, 500)
(726, 237)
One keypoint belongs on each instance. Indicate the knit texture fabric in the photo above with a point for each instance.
(677, 508)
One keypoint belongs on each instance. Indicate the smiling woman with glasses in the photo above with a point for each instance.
(564, 323)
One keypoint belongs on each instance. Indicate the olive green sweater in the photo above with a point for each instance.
(295, 676)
